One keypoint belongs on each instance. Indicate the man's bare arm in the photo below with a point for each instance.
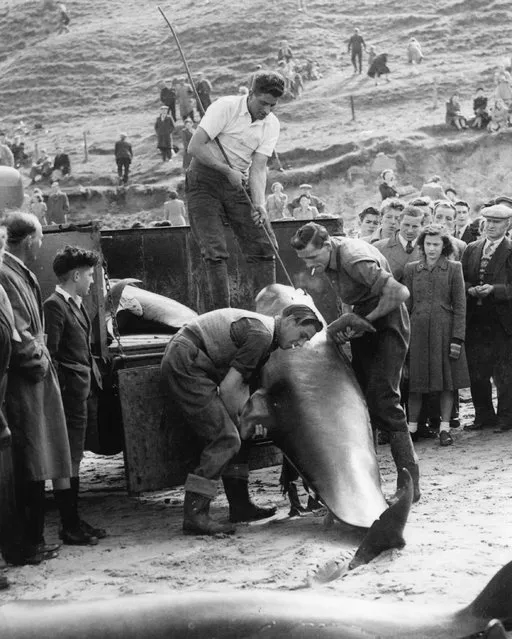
(393, 294)
(258, 178)
(198, 148)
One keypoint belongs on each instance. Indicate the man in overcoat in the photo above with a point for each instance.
(33, 402)
(164, 126)
(487, 267)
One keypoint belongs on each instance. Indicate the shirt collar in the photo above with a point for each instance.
(495, 243)
(16, 259)
(403, 241)
(77, 299)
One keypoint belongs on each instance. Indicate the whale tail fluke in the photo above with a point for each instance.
(387, 531)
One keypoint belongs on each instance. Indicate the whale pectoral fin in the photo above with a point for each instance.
(387, 531)
(495, 630)
(256, 411)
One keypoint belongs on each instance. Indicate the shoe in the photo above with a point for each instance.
(196, 517)
(445, 439)
(313, 504)
(480, 425)
(45, 548)
(77, 537)
(241, 508)
(455, 422)
(502, 427)
(99, 533)
(426, 432)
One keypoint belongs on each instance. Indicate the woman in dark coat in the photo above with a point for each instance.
(437, 306)
(379, 67)
(164, 126)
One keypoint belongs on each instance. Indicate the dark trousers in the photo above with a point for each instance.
(166, 152)
(211, 201)
(489, 355)
(357, 60)
(192, 380)
(377, 360)
(171, 109)
(123, 168)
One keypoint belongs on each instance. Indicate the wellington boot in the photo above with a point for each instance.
(241, 508)
(404, 456)
(196, 517)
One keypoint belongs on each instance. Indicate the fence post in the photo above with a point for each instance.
(86, 152)
(434, 95)
(352, 108)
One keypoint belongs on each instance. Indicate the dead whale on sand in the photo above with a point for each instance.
(258, 613)
(314, 410)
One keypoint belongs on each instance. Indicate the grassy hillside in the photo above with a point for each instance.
(102, 76)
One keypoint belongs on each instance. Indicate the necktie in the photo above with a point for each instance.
(487, 254)
(409, 248)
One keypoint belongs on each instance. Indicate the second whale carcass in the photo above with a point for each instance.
(315, 412)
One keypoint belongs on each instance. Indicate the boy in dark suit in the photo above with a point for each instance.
(69, 342)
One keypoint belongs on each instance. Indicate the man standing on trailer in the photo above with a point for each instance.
(248, 132)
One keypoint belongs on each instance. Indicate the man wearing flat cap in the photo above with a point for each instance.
(305, 189)
(487, 267)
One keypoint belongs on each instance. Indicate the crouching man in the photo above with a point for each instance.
(208, 367)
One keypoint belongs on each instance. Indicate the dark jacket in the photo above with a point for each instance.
(123, 150)
(62, 163)
(164, 128)
(379, 66)
(168, 96)
(69, 342)
(498, 273)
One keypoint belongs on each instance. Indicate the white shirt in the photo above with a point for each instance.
(229, 119)
(494, 243)
(403, 241)
(77, 299)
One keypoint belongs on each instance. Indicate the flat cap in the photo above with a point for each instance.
(497, 212)
(503, 199)
(305, 186)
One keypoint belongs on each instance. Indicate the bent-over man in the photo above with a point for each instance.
(207, 367)
(378, 328)
(248, 131)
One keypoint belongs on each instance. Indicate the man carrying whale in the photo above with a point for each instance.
(208, 367)
(377, 327)
(248, 132)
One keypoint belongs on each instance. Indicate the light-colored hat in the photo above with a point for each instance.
(503, 199)
(305, 186)
(497, 212)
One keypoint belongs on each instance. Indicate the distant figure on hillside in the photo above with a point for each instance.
(168, 97)
(414, 54)
(387, 186)
(276, 202)
(454, 115)
(186, 136)
(482, 117)
(6, 155)
(305, 210)
(503, 90)
(284, 52)
(42, 168)
(204, 90)
(37, 206)
(58, 206)
(499, 117)
(451, 194)
(164, 126)
(379, 67)
(175, 211)
(61, 165)
(64, 20)
(433, 189)
(186, 100)
(356, 44)
(18, 151)
(124, 155)
(372, 54)
(312, 70)
(305, 189)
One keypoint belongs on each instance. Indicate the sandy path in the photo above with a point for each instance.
(457, 536)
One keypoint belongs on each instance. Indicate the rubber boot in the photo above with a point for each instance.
(241, 508)
(37, 548)
(262, 274)
(71, 532)
(218, 283)
(100, 533)
(404, 456)
(196, 517)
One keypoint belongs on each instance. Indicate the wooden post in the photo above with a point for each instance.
(86, 152)
(434, 95)
(352, 108)
(36, 150)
